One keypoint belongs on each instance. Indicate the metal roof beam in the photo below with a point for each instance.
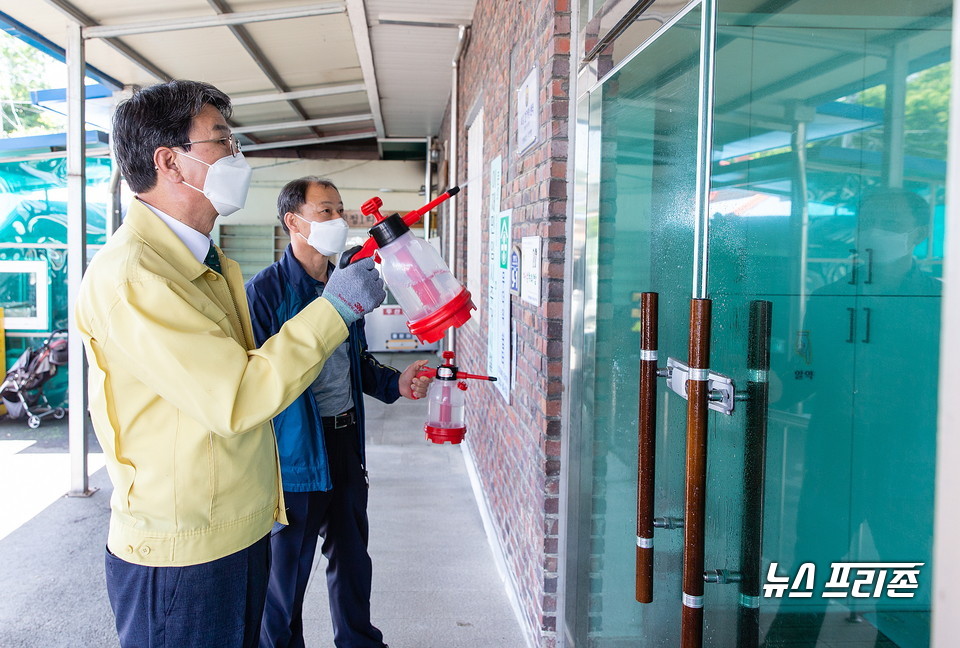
(407, 20)
(307, 123)
(403, 140)
(310, 141)
(52, 155)
(298, 94)
(361, 38)
(243, 36)
(222, 20)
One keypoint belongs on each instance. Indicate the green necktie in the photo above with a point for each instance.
(213, 259)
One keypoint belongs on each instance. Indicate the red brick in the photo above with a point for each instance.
(517, 445)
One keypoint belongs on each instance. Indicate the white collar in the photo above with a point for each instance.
(197, 242)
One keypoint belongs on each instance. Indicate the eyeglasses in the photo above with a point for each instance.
(230, 140)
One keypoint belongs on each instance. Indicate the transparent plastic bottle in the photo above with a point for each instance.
(431, 297)
(445, 401)
(445, 411)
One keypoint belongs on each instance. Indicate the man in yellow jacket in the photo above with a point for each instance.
(181, 400)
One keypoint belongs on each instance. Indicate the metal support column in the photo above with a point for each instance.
(76, 256)
(799, 209)
(895, 116)
(452, 153)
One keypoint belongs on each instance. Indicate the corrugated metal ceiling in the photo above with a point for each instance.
(382, 66)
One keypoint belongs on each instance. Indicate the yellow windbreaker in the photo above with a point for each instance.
(181, 401)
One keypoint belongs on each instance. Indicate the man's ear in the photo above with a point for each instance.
(165, 162)
(292, 222)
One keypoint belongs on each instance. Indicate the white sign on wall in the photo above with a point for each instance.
(496, 185)
(498, 288)
(475, 215)
(528, 112)
(530, 258)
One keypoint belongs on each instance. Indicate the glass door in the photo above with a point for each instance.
(641, 132)
(825, 211)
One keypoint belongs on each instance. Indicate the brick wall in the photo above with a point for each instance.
(516, 445)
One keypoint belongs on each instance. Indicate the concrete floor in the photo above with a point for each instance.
(435, 584)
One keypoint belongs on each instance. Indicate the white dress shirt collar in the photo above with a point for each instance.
(197, 242)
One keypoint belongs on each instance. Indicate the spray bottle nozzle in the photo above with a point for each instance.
(372, 208)
(450, 371)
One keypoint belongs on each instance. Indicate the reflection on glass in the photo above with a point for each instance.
(829, 163)
(827, 200)
(863, 373)
(18, 294)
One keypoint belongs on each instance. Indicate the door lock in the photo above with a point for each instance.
(721, 388)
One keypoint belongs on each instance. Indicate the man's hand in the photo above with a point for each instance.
(355, 290)
(412, 387)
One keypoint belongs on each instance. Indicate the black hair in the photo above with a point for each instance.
(156, 116)
(294, 194)
(912, 208)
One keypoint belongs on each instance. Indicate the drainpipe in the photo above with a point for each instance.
(452, 167)
(427, 181)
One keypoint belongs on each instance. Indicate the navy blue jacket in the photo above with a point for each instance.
(277, 293)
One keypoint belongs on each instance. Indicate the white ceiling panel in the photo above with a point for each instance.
(212, 55)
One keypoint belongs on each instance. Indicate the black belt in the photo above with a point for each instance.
(345, 419)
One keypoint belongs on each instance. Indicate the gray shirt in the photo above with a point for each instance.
(332, 389)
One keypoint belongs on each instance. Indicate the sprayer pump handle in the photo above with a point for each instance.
(371, 207)
(358, 252)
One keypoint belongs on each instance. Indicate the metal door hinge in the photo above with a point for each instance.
(722, 394)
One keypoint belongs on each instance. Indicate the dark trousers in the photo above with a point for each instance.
(217, 604)
(340, 516)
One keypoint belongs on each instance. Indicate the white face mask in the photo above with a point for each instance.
(887, 246)
(326, 237)
(226, 184)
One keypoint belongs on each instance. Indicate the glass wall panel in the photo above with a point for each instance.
(827, 201)
(33, 228)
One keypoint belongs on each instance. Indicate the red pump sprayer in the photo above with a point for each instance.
(445, 399)
(431, 297)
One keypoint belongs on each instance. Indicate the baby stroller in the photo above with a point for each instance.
(22, 388)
